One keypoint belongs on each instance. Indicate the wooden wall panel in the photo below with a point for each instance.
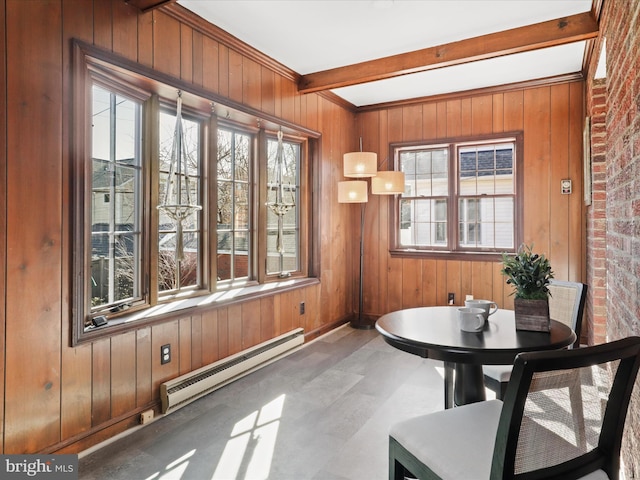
(186, 53)
(411, 283)
(101, 381)
(186, 341)
(482, 115)
(537, 205)
(33, 267)
(103, 25)
(559, 169)
(125, 39)
(251, 83)
(75, 408)
(212, 67)
(145, 38)
(267, 330)
(144, 394)
(250, 323)
(223, 333)
(3, 208)
(123, 355)
(209, 338)
(234, 325)
(166, 39)
(196, 342)
(235, 76)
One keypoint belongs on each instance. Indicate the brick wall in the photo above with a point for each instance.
(616, 155)
(595, 308)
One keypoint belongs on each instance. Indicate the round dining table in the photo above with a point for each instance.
(433, 332)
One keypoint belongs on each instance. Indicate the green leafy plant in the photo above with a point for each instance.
(528, 272)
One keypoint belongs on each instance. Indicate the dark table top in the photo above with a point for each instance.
(432, 332)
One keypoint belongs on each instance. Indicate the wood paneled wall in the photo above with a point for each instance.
(551, 119)
(58, 398)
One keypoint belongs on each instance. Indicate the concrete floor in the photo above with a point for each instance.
(321, 413)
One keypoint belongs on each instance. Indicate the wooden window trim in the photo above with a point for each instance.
(459, 254)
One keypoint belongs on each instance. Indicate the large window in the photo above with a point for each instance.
(459, 197)
(283, 196)
(116, 214)
(172, 204)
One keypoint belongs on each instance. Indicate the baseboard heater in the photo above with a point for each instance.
(185, 389)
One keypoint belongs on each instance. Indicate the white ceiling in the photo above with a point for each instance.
(308, 36)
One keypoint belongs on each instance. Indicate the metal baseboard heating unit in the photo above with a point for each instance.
(189, 387)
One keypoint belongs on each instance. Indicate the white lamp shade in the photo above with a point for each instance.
(388, 182)
(353, 191)
(360, 164)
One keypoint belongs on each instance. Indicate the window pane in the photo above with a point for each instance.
(426, 172)
(180, 251)
(283, 189)
(115, 200)
(486, 222)
(423, 223)
(486, 169)
(234, 205)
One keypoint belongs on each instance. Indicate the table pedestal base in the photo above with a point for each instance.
(469, 384)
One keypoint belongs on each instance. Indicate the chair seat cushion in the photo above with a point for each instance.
(455, 444)
(501, 373)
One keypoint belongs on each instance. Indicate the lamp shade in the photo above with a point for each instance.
(353, 191)
(360, 164)
(388, 182)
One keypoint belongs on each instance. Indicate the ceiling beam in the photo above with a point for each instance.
(517, 40)
(146, 5)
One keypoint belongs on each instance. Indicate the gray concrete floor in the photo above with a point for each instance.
(321, 413)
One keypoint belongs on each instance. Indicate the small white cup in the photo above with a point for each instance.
(488, 307)
(470, 319)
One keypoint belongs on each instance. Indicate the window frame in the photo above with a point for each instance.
(452, 250)
(92, 65)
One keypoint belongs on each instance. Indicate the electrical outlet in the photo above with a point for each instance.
(451, 298)
(146, 417)
(301, 308)
(469, 297)
(165, 354)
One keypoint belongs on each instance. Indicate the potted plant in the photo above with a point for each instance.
(529, 273)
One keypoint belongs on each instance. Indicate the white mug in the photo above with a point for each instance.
(470, 319)
(488, 307)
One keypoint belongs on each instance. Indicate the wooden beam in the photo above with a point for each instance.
(146, 5)
(517, 40)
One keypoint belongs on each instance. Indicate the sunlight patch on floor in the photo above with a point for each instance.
(249, 451)
(174, 470)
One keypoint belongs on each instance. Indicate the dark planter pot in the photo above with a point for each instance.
(532, 315)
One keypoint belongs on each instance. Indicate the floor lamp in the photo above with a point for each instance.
(386, 182)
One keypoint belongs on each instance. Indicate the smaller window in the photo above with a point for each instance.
(459, 197)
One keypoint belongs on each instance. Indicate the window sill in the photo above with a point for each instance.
(188, 306)
(448, 255)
